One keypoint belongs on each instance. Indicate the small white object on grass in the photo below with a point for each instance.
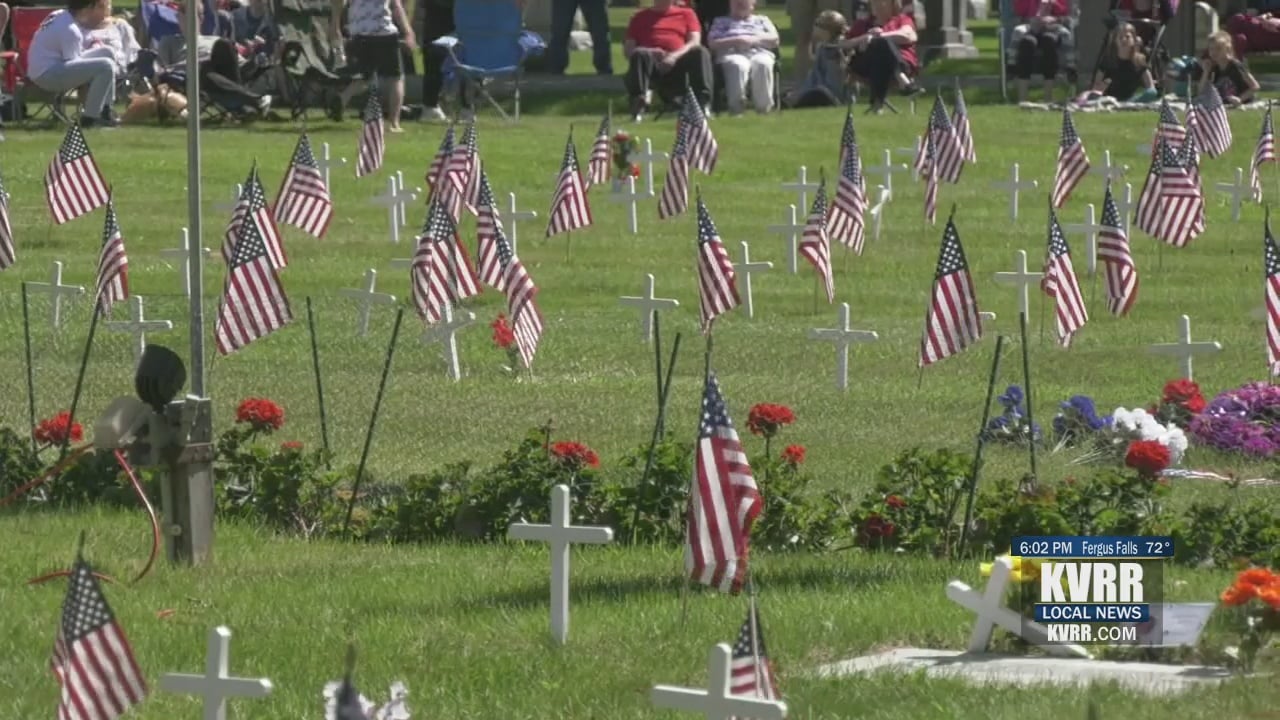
(560, 533)
(445, 332)
(842, 337)
(366, 298)
(1107, 170)
(716, 702)
(743, 271)
(235, 200)
(1023, 279)
(648, 305)
(1238, 190)
(1089, 229)
(138, 325)
(1013, 188)
(646, 160)
(183, 257)
(57, 290)
(1185, 350)
(801, 186)
(325, 161)
(790, 232)
(512, 217)
(992, 613)
(630, 197)
(876, 212)
(216, 684)
(913, 152)
(886, 171)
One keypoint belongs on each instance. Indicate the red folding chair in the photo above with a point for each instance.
(24, 22)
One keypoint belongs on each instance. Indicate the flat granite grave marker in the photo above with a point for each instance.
(56, 290)
(1184, 349)
(1013, 188)
(138, 325)
(366, 298)
(648, 305)
(216, 685)
(743, 270)
(842, 337)
(716, 703)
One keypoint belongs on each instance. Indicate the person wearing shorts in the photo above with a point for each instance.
(377, 29)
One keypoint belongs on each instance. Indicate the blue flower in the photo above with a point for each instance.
(1012, 398)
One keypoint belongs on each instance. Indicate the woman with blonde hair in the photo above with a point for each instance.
(1123, 72)
(1221, 68)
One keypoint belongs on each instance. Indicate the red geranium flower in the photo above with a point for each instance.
(261, 413)
(767, 419)
(895, 502)
(503, 336)
(575, 455)
(54, 430)
(635, 171)
(875, 529)
(793, 454)
(1148, 457)
(291, 446)
(1185, 393)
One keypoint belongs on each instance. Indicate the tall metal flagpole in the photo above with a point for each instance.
(195, 259)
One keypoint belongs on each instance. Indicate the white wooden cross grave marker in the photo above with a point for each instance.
(1013, 187)
(842, 337)
(513, 216)
(138, 325)
(716, 702)
(630, 197)
(790, 232)
(877, 211)
(992, 613)
(648, 305)
(216, 685)
(1023, 279)
(366, 297)
(560, 534)
(1184, 349)
(393, 200)
(55, 288)
(886, 171)
(406, 197)
(646, 160)
(445, 332)
(1238, 190)
(1089, 229)
(801, 186)
(1124, 205)
(224, 207)
(913, 152)
(1106, 170)
(325, 162)
(743, 271)
(183, 257)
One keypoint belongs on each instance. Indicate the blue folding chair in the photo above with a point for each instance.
(489, 43)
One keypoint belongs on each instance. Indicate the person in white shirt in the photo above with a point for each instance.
(61, 59)
(743, 44)
(378, 28)
(118, 35)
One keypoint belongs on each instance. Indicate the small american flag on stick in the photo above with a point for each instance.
(253, 301)
(522, 294)
(8, 253)
(463, 171)
(372, 140)
(940, 155)
(1073, 163)
(441, 274)
(1212, 128)
(73, 185)
(598, 165)
(1059, 282)
(960, 121)
(1263, 152)
(703, 149)
(92, 659)
(113, 264)
(253, 201)
(674, 198)
(717, 283)
(1271, 271)
(929, 151)
(1113, 250)
(1171, 206)
(751, 672)
(846, 217)
(1168, 127)
(488, 229)
(303, 200)
(723, 502)
(443, 153)
(569, 208)
(815, 246)
(952, 322)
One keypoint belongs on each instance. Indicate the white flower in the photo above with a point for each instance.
(1138, 424)
(1176, 441)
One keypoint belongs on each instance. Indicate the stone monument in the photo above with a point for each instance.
(944, 35)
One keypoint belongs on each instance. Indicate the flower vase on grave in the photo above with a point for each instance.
(623, 147)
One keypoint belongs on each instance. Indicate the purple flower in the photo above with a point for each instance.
(1245, 419)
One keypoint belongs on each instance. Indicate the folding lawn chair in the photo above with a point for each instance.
(488, 43)
(24, 22)
(311, 64)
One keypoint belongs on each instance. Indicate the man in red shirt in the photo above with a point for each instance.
(664, 49)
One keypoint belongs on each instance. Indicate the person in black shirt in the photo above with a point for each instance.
(1123, 72)
(1232, 79)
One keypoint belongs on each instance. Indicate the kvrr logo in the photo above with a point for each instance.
(1091, 582)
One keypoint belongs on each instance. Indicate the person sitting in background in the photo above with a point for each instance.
(377, 29)
(220, 67)
(1123, 72)
(58, 62)
(118, 35)
(825, 84)
(1147, 17)
(253, 28)
(1037, 37)
(664, 48)
(1256, 30)
(884, 51)
(1221, 68)
(743, 43)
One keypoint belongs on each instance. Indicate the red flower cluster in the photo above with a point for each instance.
(635, 170)
(54, 430)
(1257, 582)
(875, 530)
(1183, 393)
(261, 413)
(503, 336)
(574, 454)
(767, 419)
(895, 502)
(793, 454)
(291, 446)
(1148, 457)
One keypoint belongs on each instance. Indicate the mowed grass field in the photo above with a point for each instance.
(466, 627)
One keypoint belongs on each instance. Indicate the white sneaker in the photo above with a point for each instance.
(433, 114)
(264, 104)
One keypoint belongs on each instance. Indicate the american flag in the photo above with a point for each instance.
(303, 200)
(952, 323)
(674, 198)
(723, 502)
(92, 660)
(940, 155)
(1271, 267)
(845, 218)
(488, 230)
(569, 208)
(702, 146)
(1059, 282)
(73, 184)
(463, 173)
(113, 264)
(1193, 132)
(372, 145)
(1113, 250)
(253, 302)
(8, 254)
(1146, 212)
(1212, 129)
(930, 152)
(443, 153)
(1168, 128)
(1189, 159)
(960, 121)
(253, 201)
(522, 295)
(815, 246)
(717, 282)
(1073, 164)
(750, 671)
(1263, 152)
(598, 165)
(1171, 206)
(441, 274)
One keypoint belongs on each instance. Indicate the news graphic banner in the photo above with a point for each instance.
(1105, 590)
